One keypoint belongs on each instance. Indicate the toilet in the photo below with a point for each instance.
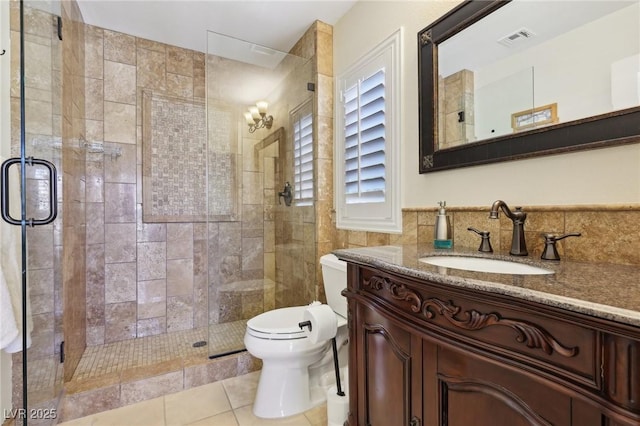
(296, 373)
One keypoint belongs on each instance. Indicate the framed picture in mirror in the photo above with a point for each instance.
(534, 117)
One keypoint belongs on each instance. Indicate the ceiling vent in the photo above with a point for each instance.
(517, 37)
(262, 50)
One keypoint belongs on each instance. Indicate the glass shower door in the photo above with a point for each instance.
(255, 239)
(32, 228)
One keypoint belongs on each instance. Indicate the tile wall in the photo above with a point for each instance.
(150, 278)
(142, 278)
(610, 234)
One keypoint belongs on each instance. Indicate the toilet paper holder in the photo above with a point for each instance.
(304, 324)
(336, 364)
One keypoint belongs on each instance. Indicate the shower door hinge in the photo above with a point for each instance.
(59, 28)
(311, 87)
(61, 352)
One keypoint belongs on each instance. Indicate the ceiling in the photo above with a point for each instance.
(277, 24)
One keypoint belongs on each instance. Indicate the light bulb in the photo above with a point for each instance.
(254, 113)
(262, 107)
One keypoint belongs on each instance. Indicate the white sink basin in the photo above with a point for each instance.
(480, 264)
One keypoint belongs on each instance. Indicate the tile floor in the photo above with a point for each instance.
(145, 351)
(224, 403)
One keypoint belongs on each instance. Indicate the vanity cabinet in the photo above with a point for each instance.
(424, 353)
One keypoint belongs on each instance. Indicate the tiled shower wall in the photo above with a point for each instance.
(151, 278)
(142, 279)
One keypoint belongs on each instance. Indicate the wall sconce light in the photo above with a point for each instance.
(257, 117)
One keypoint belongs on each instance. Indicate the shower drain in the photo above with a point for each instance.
(200, 344)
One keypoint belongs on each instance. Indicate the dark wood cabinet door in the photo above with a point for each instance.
(427, 354)
(389, 371)
(479, 392)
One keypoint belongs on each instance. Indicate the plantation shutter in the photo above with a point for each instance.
(303, 158)
(365, 139)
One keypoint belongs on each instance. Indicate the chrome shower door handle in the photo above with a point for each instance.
(5, 207)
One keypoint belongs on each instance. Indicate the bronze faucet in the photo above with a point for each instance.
(550, 251)
(518, 244)
(485, 244)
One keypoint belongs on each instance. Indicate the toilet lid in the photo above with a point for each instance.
(282, 322)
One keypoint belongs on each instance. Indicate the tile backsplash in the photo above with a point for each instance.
(610, 234)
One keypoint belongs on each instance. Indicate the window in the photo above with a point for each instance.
(364, 134)
(302, 119)
(367, 146)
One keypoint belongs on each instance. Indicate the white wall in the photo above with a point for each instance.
(546, 74)
(603, 176)
(5, 148)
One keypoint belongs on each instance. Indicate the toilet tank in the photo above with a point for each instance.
(334, 275)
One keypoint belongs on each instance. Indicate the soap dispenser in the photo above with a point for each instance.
(442, 235)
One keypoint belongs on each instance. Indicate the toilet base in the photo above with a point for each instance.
(282, 392)
(293, 385)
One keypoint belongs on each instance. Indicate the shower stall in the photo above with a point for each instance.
(172, 227)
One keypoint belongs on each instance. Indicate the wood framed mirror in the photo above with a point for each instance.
(495, 84)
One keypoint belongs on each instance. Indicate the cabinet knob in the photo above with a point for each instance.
(414, 421)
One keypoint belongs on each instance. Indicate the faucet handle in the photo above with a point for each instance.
(485, 244)
(550, 251)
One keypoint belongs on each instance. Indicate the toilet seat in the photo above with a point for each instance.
(281, 324)
(278, 324)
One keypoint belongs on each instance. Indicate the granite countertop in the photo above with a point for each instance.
(601, 290)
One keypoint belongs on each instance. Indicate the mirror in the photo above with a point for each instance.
(503, 80)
